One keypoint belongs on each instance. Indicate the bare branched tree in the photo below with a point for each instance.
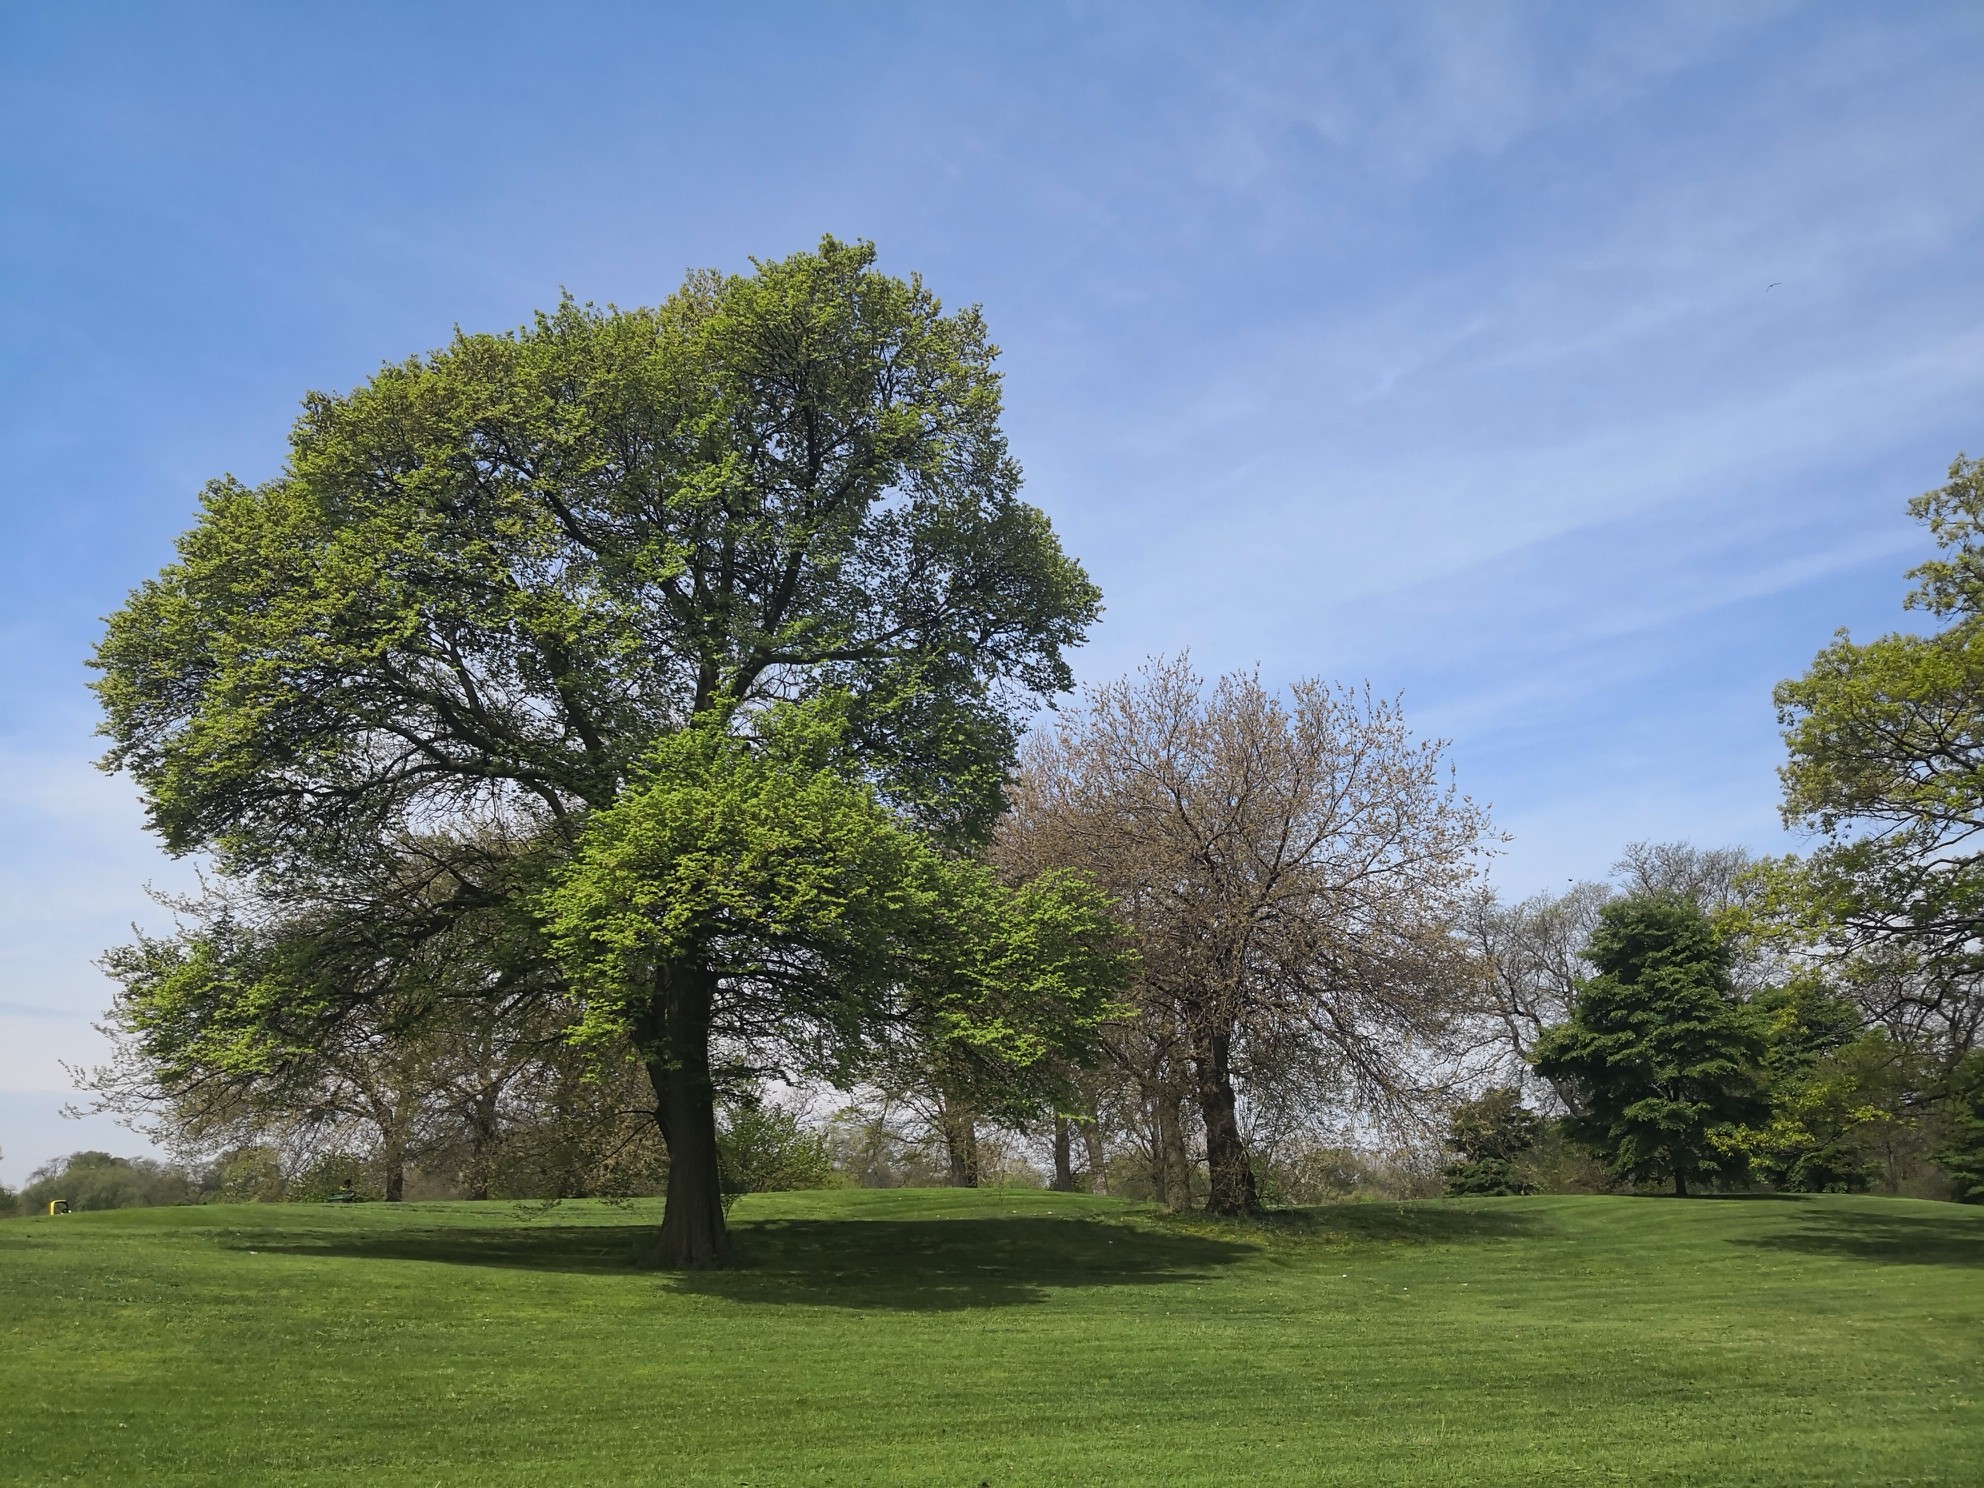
(1294, 871)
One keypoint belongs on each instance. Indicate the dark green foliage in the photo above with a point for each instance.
(1961, 1113)
(1488, 1136)
(96, 1180)
(1663, 1058)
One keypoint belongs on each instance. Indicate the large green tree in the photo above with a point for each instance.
(1663, 1058)
(1886, 768)
(489, 580)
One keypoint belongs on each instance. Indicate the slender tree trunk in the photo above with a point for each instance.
(1064, 1167)
(1174, 1165)
(481, 1142)
(676, 1039)
(1230, 1172)
(1680, 1184)
(1098, 1175)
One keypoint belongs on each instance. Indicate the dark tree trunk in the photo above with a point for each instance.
(1064, 1167)
(1174, 1166)
(1230, 1173)
(481, 1143)
(960, 1128)
(676, 1039)
(1098, 1176)
(394, 1162)
(1680, 1184)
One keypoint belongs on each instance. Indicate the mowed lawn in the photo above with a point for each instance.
(1004, 1338)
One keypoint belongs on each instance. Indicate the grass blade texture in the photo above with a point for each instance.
(1001, 1337)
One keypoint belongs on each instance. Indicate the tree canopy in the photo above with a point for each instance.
(1291, 870)
(1488, 1136)
(1886, 766)
(489, 578)
(1662, 1056)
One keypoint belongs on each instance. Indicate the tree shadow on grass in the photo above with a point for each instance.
(1422, 1222)
(1908, 1240)
(591, 1249)
(948, 1264)
(899, 1265)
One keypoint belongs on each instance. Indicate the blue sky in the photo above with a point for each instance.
(1430, 344)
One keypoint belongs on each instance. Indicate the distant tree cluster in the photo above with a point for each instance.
(96, 1180)
(1808, 1023)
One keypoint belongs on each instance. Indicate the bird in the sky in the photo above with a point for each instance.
(1772, 285)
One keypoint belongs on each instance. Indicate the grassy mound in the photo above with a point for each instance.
(1003, 1338)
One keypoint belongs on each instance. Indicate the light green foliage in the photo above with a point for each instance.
(1663, 1058)
(1886, 743)
(250, 1175)
(766, 1149)
(1822, 1071)
(826, 922)
(764, 860)
(1005, 1337)
(1489, 1136)
(220, 999)
(491, 578)
(494, 584)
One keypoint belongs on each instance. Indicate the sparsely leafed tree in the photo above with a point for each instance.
(1713, 879)
(1291, 869)
(1531, 959)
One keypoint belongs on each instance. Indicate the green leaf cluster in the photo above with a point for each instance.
(1886, 742)
(1829, 1081)
(1962, 1151)
(1489, 1136)
(827, 924)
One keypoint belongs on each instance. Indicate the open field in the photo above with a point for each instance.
(1001, 1337)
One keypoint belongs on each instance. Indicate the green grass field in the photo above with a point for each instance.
(1004, 1338)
